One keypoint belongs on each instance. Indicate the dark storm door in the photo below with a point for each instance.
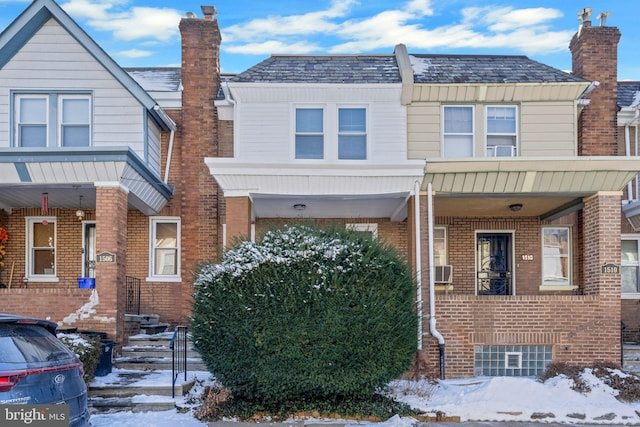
(494, 264)
(89, 249)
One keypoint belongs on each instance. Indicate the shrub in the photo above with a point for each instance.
(87, 349)
(306, 315)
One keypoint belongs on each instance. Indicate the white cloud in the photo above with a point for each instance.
(127, 23)
(135, 53)
(508, 18)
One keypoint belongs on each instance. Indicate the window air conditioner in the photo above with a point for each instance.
(443, 274)
(504, 151)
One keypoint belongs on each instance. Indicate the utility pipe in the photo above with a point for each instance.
(627, 148)
(167, 167)
(418, 263)
(432, 285)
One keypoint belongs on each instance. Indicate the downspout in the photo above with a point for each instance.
(432, 286)
(416, 210)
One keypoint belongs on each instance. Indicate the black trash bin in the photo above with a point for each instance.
(105, 364)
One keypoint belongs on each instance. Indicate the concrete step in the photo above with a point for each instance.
(157, 363)
(132, 384)
(153, 351)
(101, 405)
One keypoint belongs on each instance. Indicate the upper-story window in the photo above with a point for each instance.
(352, 134)
(458, 131)
(331, 132)
(52, 120)
(501, 131)
(309, 133)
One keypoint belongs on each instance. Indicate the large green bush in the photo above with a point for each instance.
(306, 314)
(88, 350)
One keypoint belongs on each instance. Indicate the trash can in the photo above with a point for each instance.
(105, 364)
(86, 282)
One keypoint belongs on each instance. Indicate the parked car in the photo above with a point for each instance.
(36, 368)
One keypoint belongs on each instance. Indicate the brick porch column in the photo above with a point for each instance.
(238, 219)
(111, 237)
(602, 245)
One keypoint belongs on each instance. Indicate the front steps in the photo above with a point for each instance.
(141, 378)
(631, 358)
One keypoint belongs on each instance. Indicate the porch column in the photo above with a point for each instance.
(238, 219)
(601, 217)
(111, 237)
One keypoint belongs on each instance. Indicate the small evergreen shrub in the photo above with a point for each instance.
(87, 349)
(306, 315)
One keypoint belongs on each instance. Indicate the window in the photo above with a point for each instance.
(74, 121)
(164, 253)
(501, 131)
(630, 266)
(41, 248)
(556, 263)
(458, 132)
(370, 229)
(440, 253)
(31, 120)
(309, 133)
(352, 134)
(52, 120)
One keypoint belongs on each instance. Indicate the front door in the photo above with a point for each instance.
(494, 263)
(89, 249)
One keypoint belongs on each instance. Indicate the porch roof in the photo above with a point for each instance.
(66, 174)
(547, 185)
(327, 190)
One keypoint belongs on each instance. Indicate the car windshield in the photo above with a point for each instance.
(21, 343)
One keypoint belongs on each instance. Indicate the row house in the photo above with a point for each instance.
(498, 178)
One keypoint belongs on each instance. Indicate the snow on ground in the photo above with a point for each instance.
(473, 399)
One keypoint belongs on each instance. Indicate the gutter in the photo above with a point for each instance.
(418, 253)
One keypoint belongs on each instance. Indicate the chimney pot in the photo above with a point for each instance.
(209, 12)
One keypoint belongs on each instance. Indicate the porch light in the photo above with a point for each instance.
(299, 206)
(80, 212)
(515, 207)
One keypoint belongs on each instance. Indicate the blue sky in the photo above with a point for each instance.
(140, 33)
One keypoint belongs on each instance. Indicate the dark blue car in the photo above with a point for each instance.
(36, 368)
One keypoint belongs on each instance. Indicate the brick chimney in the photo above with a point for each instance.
(594, 52)
(199, 139)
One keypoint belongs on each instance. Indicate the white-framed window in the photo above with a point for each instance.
(458, 131)
(352, 133)
(556, 255)
(41, 248)
(164, 248)
(52, 119)
(31, 120)
(502, 130)
(630, 266)
(309, 133)
(74, 120)
(440, 246)
(369, 228)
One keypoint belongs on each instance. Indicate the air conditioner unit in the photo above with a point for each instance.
(443, 274)
(504, 151)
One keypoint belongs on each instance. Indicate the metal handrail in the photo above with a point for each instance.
(178, 346)
(133, 295)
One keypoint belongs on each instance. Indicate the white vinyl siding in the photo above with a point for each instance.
(265, 120)
(54, 61)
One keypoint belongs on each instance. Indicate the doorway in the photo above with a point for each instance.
(494, 263)
(88, 249)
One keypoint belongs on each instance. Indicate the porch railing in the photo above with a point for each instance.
(133, 295)
(178, 346)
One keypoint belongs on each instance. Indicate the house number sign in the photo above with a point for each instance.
(105, 257)
(610, 269)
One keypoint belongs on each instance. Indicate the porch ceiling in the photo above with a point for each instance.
(68, 174)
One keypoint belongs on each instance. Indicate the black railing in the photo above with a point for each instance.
(178, 346)
(133, 295)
